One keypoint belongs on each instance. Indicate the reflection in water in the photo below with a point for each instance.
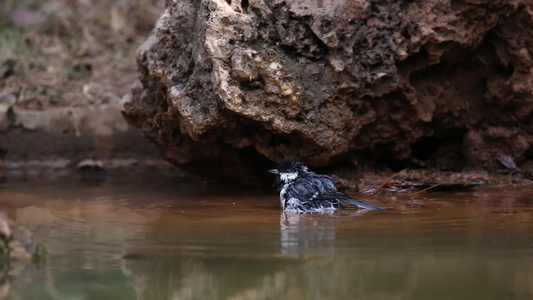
(429, 276)
(170, 278)
(17, 275)
(312, 233)
(306, 233)
(316, 263)
(183, 242)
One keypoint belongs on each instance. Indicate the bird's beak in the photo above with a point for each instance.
(273, 171)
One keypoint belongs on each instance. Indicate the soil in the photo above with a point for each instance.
(64, 66)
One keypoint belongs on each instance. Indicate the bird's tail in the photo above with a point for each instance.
(363, 205)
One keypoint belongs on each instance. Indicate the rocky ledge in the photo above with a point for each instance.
(227, 87)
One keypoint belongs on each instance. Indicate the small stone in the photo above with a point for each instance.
(90, 165)
(505, 211)
(25, 18)
(7, 98)
(506, 161)
(93, 91)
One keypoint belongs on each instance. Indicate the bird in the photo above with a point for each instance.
(301, 190)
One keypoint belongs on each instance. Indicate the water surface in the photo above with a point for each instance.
(180, 239)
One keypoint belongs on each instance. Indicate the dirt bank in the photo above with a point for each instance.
(64, 65)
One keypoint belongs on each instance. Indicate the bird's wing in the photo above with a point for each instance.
(309, 188)
(315, 189)
(344, 198)
(312, 187)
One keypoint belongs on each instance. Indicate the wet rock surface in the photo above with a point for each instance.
(226, 87)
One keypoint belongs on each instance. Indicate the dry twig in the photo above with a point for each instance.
(385, 182)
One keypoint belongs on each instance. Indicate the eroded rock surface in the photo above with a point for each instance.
(228, 86)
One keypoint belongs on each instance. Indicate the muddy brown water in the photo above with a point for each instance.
(169, 239)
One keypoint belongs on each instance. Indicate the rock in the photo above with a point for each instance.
(93, 91)
(226, 87)
(91, 165)
(7, 98)
(17, 243)
(27, 18)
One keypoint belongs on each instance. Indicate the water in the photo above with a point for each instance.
(169, 239)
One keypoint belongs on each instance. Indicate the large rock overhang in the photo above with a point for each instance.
(228, 86)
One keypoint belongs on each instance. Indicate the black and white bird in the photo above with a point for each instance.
(301, 190)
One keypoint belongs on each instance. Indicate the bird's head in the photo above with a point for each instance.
(289, 170)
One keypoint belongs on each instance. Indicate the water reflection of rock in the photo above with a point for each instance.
(186, 274)
(177, 276)
(168, 278)
(346, 276)
(20, 255)
(320, 259)
(17, 242)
